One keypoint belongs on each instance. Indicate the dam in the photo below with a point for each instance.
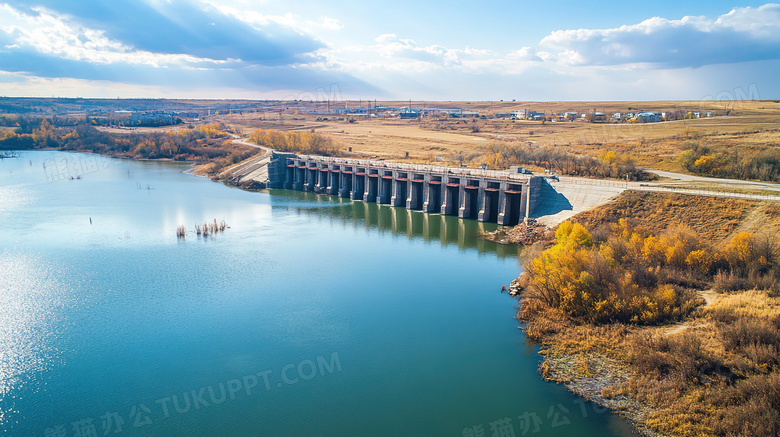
(493, 196)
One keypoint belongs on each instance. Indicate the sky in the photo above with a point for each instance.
(394, 50)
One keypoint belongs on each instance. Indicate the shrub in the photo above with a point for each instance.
(753, 408)
(756, 339)
(616, 281)
(738, 280)
(638, 279)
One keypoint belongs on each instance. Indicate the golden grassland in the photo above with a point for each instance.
(671, 317)
(712, 218)
(750, 126)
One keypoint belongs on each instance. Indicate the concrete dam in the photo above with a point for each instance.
(484, 195)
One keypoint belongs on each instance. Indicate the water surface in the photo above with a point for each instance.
(310, 315)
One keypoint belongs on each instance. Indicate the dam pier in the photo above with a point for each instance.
(484, 195)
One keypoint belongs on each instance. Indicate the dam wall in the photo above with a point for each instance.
(484, 195)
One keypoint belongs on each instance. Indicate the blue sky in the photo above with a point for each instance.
(454, 50)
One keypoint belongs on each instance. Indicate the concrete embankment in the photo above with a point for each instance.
(254, 170)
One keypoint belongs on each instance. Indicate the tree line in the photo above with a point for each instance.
(298, 142)
(636, 278)
(607, 165)
(205, 143)
(763, 165)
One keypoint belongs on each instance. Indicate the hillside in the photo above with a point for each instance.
(713, 218)
(665, 308)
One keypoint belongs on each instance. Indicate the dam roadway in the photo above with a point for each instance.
(484, 195)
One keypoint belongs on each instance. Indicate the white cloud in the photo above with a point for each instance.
(198, 44)
(54, 35)
(287, 20)
(330, 23)
(762, 22)
(743, 34)
(406, 56)
(386, 38)
(195, 47)
(524, 54)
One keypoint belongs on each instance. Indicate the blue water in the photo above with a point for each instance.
(309, 316)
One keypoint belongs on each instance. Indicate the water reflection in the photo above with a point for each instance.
(448, 230)
(31, 297)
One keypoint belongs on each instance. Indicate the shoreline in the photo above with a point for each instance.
(557, 366)
(587, 375)
(584, 374)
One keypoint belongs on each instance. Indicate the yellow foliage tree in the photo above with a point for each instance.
(573, 234)
(597, 285)
(609, 157)
(701, 260)
(739, 251)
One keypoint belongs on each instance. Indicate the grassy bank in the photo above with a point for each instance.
(675, 322)
(209, 145)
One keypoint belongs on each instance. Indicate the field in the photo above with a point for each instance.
(747, 127)
(750, 126)
(712, 218)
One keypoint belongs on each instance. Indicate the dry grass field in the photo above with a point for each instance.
(714, 219)
(751, 126)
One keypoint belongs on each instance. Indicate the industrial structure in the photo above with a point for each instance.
(485, 195)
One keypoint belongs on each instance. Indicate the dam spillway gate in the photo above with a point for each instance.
(484, 195)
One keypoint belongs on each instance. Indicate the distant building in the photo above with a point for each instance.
(441, 112)
(406, 113)
(358, 110)
(648, 117)
(520, 114)
(154, 118)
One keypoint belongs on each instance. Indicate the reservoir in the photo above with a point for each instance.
(309, 316)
